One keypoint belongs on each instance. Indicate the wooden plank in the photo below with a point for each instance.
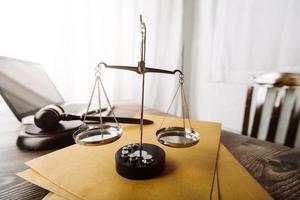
(235, 182)
(24, 191)
(274, 166)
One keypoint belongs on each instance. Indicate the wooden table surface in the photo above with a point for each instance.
(275, 167)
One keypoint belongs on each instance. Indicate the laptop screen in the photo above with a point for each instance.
(26, 87)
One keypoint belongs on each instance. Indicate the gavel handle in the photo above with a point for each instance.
(125, 120)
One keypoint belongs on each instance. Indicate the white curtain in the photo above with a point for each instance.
(224, 42)
(70, 37)
(230, 40)
(254, 37)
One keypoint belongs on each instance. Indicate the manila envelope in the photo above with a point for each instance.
(89, 172)
(231, 182)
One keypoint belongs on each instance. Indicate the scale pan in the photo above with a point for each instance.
(97, 136)
(178, 137)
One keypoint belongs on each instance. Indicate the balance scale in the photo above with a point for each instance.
(138, 160)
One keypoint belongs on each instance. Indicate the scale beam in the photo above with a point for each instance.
(142, 70)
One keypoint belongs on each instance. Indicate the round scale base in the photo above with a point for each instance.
(131, 163)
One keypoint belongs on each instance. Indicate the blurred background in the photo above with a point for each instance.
(217, 43)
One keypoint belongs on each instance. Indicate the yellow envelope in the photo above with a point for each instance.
(89, 172)
(233, 181)
(35, 178)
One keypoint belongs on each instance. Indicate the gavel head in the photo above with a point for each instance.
(48, 117)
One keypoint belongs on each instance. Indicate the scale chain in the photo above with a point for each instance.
(182, 104)
(109, 104)
(165, 115)
(187, 107)
(90, 101)
(99, 101)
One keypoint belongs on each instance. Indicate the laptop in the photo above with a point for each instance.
(26, 87)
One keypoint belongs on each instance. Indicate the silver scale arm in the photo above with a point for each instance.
(141, 69)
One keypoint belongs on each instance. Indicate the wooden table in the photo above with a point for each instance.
(275, 167)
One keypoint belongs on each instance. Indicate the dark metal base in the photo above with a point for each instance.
(130, 165)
